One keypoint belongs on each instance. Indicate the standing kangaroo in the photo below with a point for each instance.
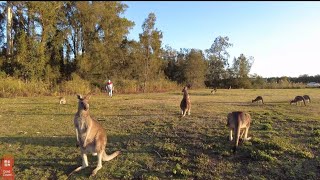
(91, 137)
(298, 99)
(258, 99)
(236, 121)
(185, 104)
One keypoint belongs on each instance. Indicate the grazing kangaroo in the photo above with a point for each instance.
(236, 121)
(62, 100)
(185, 104)
(258, 99)
(91, 137)
(307, 98)
(213, 90)
(298, 99)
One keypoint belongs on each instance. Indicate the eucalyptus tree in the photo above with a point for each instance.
(96, 33)
(241, 68)
(195, 68)
(171, 70)
(217, 56)
(151, 40)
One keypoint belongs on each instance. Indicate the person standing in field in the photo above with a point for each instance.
(109, 87)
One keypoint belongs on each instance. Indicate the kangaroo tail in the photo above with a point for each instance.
(106, 157)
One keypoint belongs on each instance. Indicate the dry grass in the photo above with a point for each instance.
(157, 144)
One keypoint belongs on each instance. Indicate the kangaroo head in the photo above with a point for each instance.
(83, 102)
(184, 89)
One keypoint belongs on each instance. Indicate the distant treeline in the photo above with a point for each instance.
(66, 44)
(304, 79)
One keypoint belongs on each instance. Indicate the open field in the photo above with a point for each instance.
(157, 144)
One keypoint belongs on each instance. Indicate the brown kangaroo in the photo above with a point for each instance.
(213, 90)
(258, 99)
(298, 99)
(236, 121)
(185, 104)
(62, 100)
(91, 137)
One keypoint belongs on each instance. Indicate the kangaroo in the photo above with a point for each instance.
(258, 99)
(298, 99)
(307, 98)
(185, 104)
(62, 100)
(213, 90)
(91, 137)
(236, 121)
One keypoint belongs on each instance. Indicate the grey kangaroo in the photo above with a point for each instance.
(307, 98)
(298, 99)
(258, 99)
(91, 137)
(185, 104)
(236, 121)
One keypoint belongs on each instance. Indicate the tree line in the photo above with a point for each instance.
(54, 41)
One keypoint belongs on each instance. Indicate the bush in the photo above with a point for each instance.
(12, 87)
(135, 86)
(76, 86)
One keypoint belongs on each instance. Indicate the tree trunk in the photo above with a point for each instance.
(9, 30)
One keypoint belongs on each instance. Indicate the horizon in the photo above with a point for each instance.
(281, 36)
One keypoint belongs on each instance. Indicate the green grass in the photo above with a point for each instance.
(157, 144)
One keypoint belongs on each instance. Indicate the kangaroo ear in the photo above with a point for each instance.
(79, 96)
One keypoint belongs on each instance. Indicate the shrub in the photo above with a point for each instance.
(135, 86)
(75, 86)
(12, 87)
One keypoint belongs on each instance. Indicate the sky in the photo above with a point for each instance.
(282, 36)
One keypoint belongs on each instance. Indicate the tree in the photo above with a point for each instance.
(217, 57)
(241, 68)
(9, 29)
(172, 68)
(195, 68)
(151, 40)
(258, 81)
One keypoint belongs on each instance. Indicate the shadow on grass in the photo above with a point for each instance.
(58, 141)
(33, 103)
(93, 116)
(55, 141)
(38, 114)
(62, 163)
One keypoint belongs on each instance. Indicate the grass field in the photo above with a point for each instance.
(157, 144)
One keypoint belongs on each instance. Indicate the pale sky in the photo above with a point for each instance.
(283, 37)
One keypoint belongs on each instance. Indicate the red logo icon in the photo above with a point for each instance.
(6, 168)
